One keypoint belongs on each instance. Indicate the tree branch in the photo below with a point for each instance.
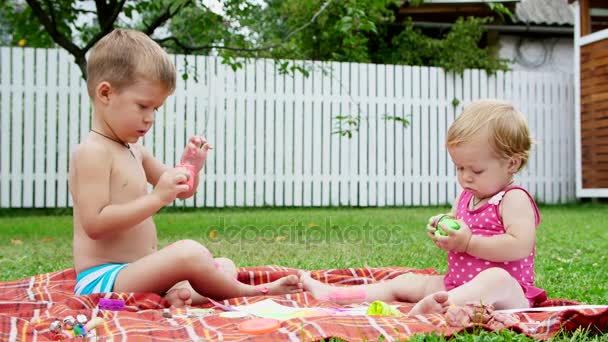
(102, 9)
(51, 11)
(51, 26)
(107, 27)
(312, 20)
(83, 11)
(161, 19)
(189, 48)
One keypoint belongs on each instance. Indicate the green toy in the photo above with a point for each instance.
(446, 220)
(380, 308)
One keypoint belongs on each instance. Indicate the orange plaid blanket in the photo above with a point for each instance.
(28, 306)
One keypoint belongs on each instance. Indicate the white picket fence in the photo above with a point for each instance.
(273, 133)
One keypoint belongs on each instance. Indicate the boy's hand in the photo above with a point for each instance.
(195, 152)
(171, 183)
(457, 240)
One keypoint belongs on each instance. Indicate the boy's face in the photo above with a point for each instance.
(130, 111)
(479, 169)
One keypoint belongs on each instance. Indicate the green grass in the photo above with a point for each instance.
(571, 249)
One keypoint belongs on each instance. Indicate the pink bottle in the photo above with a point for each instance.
(187, 162)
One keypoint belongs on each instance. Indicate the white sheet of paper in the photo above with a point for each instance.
(268, 308)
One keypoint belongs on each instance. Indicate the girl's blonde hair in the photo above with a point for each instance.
(507, 128)
(124, 57)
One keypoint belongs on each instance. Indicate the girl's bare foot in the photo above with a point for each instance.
(179, 297)
(317, 288)
(434, 303)
(288, 284)
(321, 291)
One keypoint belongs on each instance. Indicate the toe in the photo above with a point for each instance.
(184, 294)
(441, 297)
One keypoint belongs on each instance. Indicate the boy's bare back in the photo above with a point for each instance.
(98, 158)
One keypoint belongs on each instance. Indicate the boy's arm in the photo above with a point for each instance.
(91, 191)
(519, 220)
(154, 169)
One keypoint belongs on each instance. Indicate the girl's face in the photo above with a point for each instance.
(480, 170)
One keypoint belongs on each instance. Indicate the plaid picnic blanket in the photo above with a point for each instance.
(28, 306)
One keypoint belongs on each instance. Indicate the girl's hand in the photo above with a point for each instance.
(430, 230)
(195, 152)
(170, 184)
(456, 240)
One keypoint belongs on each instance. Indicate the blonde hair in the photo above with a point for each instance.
(507, 128)
(124, 57)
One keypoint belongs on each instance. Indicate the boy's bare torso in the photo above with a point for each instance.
(127, 181)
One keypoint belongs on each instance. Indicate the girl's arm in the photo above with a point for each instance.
(519, 220)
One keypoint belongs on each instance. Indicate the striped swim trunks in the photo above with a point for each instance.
(98, 279)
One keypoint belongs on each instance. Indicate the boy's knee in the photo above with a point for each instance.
(227, 266)
(190, 250)
(225, 262)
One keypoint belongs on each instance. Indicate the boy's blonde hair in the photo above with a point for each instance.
(506, 127)
(124, 57)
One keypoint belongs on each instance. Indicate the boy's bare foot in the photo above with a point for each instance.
(179, 297)
(434, 303)
(288, 284)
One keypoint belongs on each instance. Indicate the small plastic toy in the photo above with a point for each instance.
(111, 304)
(81, 319)
(55, 327)
(79, 331)
(258, 326)
(70, 327)
(191, 169)
(380, 308)
(69, 322)
(445, 220)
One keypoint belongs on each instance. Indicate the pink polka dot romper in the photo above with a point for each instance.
(486, 221)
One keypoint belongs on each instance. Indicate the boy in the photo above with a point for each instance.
(115, 243)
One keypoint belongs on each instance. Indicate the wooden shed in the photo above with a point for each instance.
(591, 97)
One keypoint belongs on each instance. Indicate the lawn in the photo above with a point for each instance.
(571, 249)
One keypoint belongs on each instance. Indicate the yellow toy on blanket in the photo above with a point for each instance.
(380, 308)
